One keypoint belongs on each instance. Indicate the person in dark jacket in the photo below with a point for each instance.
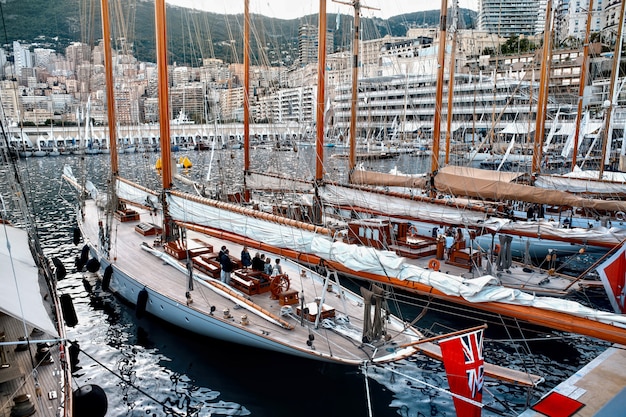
(246, 259)
(257, 262)
(220, 255)
(227, 267)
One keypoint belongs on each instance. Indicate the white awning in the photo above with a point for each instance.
(19, 279)
(517, 129)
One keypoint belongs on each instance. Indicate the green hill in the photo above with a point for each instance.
(192, 34)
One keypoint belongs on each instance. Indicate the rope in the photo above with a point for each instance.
(367, 391)
(460, 397)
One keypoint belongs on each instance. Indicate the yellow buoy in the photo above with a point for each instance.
(158, 164)
(186, 162)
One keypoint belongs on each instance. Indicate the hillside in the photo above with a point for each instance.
(192, 34)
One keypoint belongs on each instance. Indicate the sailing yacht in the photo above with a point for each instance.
(142, 246)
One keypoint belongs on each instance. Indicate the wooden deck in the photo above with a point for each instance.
(251, 308)
(16, 372)
(599, 386)
(527, 278)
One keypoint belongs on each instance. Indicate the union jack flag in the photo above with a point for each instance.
(464, 364)
(472, 344)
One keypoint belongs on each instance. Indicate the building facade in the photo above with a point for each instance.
(512, 17)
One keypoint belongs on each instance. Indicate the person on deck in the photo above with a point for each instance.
(278, 269)
(449, 243)
(220, 255)
(227, 267)
(246, 259)
(257, 262)
(459, 239)
(268, 266)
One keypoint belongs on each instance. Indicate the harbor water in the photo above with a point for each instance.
(148, 368)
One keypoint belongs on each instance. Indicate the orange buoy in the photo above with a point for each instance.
(434, 264)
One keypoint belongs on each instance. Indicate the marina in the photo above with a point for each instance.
(95, 306)
(237, 240)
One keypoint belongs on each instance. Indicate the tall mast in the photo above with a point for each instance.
(612, 98)
(321, 87)
(108, 67)
(355, 75)
(319, 119)
(582, 83)
(451, 80)
(164, 110)
(439, 92)
(542, 101)
(246, 97)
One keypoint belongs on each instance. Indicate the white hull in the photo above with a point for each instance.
(177, 314)
(268, 328)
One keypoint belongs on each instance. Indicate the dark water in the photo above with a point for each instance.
(148, 368)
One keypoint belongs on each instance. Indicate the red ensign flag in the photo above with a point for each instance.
(613, 275)
(464, 364)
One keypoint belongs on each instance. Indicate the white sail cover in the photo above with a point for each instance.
(396, 206)
(259, 181)
(367, 259)
(274, 234)
(475, 290)
(21, 296)
(136, 195)
(547, 229)
(579, 181)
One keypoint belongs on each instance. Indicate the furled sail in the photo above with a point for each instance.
(476, 183)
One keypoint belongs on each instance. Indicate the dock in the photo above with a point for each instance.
(598, 389)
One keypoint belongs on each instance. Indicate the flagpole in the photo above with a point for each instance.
(444, 336)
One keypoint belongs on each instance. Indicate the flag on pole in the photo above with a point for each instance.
(464, 364)
(613, 275)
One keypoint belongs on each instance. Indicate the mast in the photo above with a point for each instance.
(582, 82)
(451, 81)
(319, 119)
(355, 74)
(355, 78)
(612, 99)
(542, 101)
(246, 97)
(439, 91)
(164, 112)
(108, 66)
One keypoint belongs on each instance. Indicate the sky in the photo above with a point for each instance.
(291, 9)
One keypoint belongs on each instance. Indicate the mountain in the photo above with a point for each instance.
(192, 34)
